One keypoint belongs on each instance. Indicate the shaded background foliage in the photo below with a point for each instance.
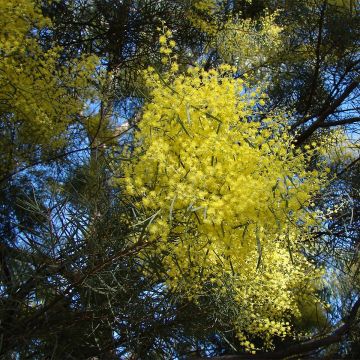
(71, 284)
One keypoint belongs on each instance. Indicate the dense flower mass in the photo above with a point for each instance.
(40, 93)
(228, 198)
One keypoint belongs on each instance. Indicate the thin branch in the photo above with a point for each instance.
(347, 121)
(304, 347)
(328, 111)
(62, 155)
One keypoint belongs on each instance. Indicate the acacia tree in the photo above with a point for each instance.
(172, 252)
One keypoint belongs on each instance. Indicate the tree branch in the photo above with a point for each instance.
(304, 347)
(328, 111)
(347, 121)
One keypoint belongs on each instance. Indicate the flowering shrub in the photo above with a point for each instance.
(228, 197)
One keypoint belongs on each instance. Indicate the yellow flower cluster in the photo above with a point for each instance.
(202, 15)
(248, 44)
(40, 95)
(167, 45)
(227, 195)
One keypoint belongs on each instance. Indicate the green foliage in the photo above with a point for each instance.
(188, 209)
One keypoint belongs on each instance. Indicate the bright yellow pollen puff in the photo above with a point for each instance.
(162, 39)
(174, 67)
